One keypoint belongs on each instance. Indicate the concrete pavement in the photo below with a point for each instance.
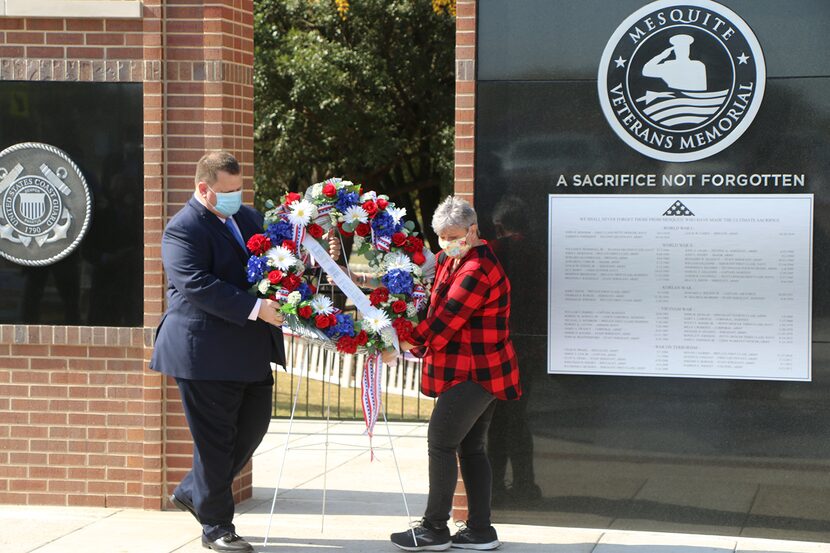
(363, 504)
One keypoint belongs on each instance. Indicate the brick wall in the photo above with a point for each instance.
(82, 420)
(465, 97)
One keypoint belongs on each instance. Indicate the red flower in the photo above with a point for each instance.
(289, 245)
(382, 204)
(378, 296)
(403, 327)
(275, 276)
(399, 239)
(292, 197)
(399, 306)
(332, 319)
(362, 338)
(322, 321)
(304, 312)
(330, 190)
(370, 207)
(363, 229)
(291, 282)
(315, 230)
(414, 244)
(418, 258)
(347, 344)
(258, 244)
(343, 231)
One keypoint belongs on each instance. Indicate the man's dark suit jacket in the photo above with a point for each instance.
(205, 334)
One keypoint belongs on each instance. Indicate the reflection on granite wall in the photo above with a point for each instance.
(689, 455)
(100, 127)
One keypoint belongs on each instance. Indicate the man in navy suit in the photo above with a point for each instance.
(218, 342)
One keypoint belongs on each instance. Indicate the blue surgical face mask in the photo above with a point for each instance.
(227, 203)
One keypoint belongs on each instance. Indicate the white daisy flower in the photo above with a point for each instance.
(322, 305)
(355, 214)
(376, 320)
(263, 286)
(397, 260)
(293, 298)
(281, 258)
(302, 211)
(397, 213)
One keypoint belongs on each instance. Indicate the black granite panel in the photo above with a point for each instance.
(691, 455)
(99, 125)
(564, 39)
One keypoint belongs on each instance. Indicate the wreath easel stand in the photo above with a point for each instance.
(326, 443)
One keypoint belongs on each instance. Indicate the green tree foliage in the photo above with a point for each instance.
(365, 93)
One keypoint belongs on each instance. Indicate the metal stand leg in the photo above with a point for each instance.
(400, 478)
(285, 448)
(328, 380)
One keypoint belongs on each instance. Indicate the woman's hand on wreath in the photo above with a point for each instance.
(389, 356)
(405, 346)
(269, 311)
(334, 245)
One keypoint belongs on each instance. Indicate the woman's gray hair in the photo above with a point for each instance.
(453, 212)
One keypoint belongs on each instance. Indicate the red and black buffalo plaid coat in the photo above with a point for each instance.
(465, 332)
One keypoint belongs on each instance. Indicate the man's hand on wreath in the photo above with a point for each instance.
(389, 356)
(405, 346)
(269, 311)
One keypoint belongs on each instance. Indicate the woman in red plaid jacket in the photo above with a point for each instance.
(469, 361)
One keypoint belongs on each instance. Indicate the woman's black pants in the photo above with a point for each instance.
(459, 424)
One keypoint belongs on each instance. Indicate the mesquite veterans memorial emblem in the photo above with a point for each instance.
(45, 204)
(681, 81)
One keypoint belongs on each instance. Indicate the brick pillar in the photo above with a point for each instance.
(82, 419)
(209, 52)
(154, 212)
(79, 417)
(465, 97)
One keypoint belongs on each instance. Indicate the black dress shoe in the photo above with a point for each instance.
(228, 542)
(184, 505)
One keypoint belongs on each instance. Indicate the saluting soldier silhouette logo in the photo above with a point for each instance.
(681, 82)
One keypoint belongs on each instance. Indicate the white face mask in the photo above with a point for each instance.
(457, 248)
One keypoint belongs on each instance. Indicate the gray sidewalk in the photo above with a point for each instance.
(363, 505)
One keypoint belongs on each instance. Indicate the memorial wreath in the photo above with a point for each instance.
(293, 241)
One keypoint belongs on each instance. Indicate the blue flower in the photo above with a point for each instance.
(345, 324)
(398, 281)
(279, 231)
(345, 200)
(305, 291)
(384, 224)
(257, 267)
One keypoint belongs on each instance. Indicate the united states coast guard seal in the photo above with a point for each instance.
(45, 204)
(681, 81)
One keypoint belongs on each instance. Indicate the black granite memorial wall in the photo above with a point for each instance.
(727, 457)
